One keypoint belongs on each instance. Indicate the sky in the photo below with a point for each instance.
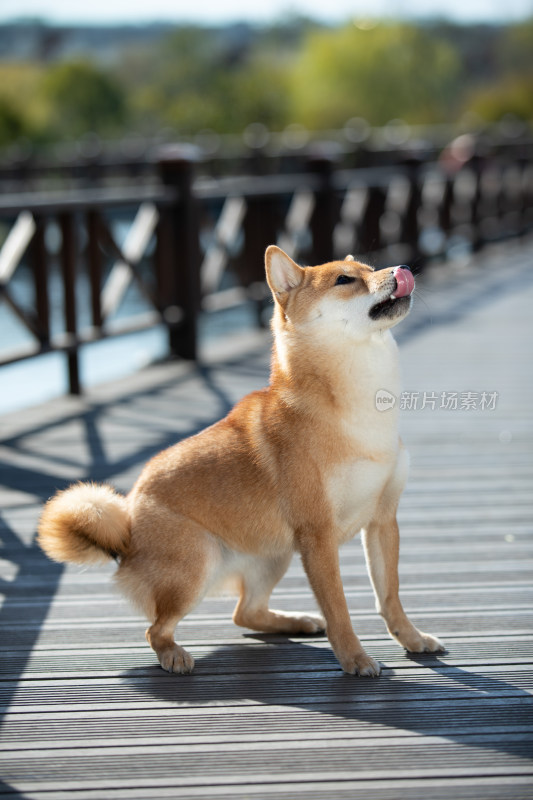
(223, 11)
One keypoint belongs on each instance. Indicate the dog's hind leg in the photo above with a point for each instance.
(167, 575)
(160, 636)
(252, 609)
(173, 600)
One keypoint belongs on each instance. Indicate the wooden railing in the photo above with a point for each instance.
(197, 244)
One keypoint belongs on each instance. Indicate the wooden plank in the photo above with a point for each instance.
(433, 789)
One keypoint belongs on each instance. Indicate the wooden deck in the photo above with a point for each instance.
(88, 713)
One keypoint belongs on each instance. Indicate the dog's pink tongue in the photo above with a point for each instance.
(405, 283)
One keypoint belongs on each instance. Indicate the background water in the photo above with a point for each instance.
(36, 380)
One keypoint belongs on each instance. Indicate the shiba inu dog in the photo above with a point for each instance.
(300, 466)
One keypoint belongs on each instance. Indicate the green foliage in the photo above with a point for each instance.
(293, 72)
(83, 99)
(379, 73)
(24, 111)
(512, 96)
(231, 101)
(201, 82)
(12, 123)
(516, 54)
(511, 92)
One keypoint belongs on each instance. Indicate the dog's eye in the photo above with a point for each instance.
(344, 279)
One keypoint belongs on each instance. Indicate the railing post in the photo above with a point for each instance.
(446, 204)
(94, 263)
(326, 209)
(39, 258)
(410, 232)
(182, 304)
(476, 166)
(260, 225)
(369, 228)
(68, 269)
(524, 200)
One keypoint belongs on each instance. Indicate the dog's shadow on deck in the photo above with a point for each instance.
(467, 707)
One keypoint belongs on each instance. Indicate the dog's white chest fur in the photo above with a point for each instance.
(354, 487)
(353, 492)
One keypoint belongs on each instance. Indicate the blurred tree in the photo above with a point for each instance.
(25, 113)
(203, 79)
(378, 72)
(83, 99)
(294, 71)
(517, 49)
(261, 92)
(511, 91)
(169, 88)
(512, 96)
(12, 124)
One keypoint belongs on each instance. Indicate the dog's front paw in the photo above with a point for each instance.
(423, 643)
(360, 664)
(176, 659)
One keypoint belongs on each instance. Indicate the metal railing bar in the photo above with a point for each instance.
(86, 199)
(226, 232)
(113, 298)
(67, 342)
(133, 249)
(28, 319)
(16, 244)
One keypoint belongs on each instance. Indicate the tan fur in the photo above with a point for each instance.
(302, 465)
(85, 523)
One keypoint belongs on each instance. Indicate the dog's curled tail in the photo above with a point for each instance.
(84, 524)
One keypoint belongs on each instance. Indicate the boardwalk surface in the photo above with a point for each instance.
(88, 713)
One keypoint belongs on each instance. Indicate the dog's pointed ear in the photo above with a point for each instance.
(283, 274)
